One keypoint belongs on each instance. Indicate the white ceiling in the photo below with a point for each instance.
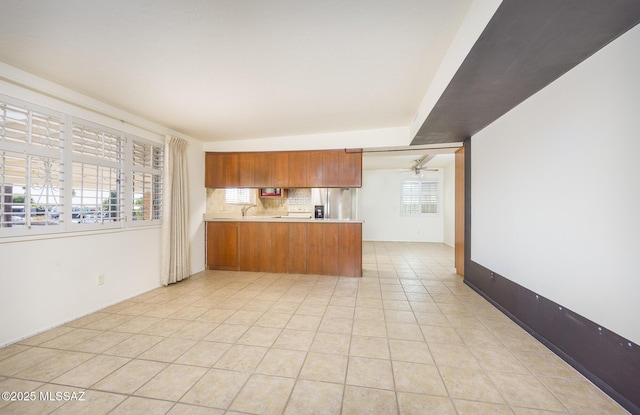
(227, 70)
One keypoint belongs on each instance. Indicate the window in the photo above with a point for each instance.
(31, 180)
(239, 196)
(420, 197)
(59, 173)
(97, 183)
(148, 159)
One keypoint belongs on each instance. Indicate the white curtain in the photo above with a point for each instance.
(175, 218)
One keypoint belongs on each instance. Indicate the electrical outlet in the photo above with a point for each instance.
(101, 279)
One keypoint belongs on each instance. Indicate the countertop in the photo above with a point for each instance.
(269, 218)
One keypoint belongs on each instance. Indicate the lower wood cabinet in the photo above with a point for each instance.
(297, 261)
(222, 245)
(253, 249)
(315, 249)
(289, 247)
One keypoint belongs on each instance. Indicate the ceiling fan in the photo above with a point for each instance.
(419, 166)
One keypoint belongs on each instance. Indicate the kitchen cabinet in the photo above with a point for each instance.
(280, 169)
(342, 168)
(262, 163)
(246, 163)
(221, 170)
(323, 248)
(222, 245)
(297, 262)
(285, 169)
(269, 169)
(350, 167)
(332, 245)
(331, 168)
(255, 246)
(279, 255)
(305, 168)
(297, 169)
(350, 254)
(314, 169)
(315, 248)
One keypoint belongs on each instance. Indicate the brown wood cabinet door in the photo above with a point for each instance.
(245, 169)
(255, 246)
(279, 260)
(297, 248)
(331, 162)
(314, 169)
(221, 170)
(222, 245)
(211, 173)
(351, 169)
(280, 169)
(262, 170)
(305, 168)
(315, 251)
(350, 254)
(331, 249)
(298, 163)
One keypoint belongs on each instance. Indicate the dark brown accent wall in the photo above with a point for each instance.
(608, 360)
(526, 45)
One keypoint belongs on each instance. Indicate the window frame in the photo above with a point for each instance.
(31, 151)
(157, 187)
(250, 194)
(421, 193)
(122, 167)
(101, 163)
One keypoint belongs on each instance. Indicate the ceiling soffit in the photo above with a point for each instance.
(525, 46)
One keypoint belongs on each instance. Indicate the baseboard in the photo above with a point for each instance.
(608, 360)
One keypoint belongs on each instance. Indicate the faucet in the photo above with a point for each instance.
(245, 208)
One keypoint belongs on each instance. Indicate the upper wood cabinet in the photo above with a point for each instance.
(221, 170)
(262, 163)
(322, 168)
(305, 169)
(350, 168)
(331, 161)
(341, 168)
(263, 169)
(280, 170)
(246, 166)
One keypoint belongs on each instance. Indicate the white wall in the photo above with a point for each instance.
(379, 207)
(556, 190)
(47, 281)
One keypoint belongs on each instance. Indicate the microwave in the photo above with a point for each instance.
(271, 192)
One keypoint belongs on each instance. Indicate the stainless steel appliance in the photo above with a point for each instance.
(337, 203)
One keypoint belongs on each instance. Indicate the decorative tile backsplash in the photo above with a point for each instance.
(297, 200)
(299, 197)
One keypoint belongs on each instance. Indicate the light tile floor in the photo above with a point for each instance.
(407, 338)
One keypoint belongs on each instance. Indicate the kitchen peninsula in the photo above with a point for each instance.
(294, 246)
(269, 239)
